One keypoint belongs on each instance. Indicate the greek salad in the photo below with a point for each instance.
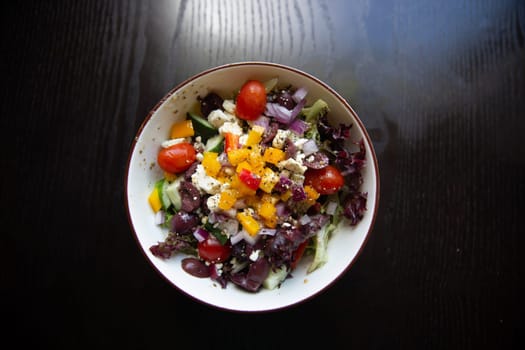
(255, 183)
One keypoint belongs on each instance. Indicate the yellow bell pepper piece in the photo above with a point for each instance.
(254, 136)
(286, 195)
(182, 129)
(237, 156)
(271, 222)
(273, 155)
(267, 210)
(211, 164)
(238, 185)
(267, 198)
(255, 158)
(268, 180)
(228, 199)
(311, 193)
(243, 165)
(248, 223)
(154, 200)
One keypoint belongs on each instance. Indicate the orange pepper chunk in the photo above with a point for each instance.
(231, 141)
(182, 129)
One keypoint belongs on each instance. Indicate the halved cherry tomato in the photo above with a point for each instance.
(251, 100)
(177, 158)
(327, 180)
(213, 251)
(298, 254)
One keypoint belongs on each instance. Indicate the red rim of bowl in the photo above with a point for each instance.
(316, 80)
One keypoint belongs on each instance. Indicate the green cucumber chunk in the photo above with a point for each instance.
(202, 127)
(161, 186)
(172, 191)
(215, 144)
(275, 278)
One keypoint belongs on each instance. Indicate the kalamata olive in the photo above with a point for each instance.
(190, 196)
(242, 281)
(317, 160)
(290, 149)
(252, 280)
(285, 99)
(258, 270)
(195, 267)
(270, 133)
(210, 102)
(183, 223)
(191, 170)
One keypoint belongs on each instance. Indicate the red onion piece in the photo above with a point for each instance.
(200, 234)
(298, 193)
(305, 219)
(268, 231)
(223, 159)
(298, 126)
(236, 238)
(299, 94)
(262, 121)
(243, 235)
(282, 209)
(280, 113)
(283, 185)
(297, 109)
(310, 147)
(160, 217)
(212, 217)
(249, 238)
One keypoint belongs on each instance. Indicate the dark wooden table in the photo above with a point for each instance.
(440, 85)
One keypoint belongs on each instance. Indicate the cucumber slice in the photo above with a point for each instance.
(172, 191)
(215, 144)
(161, 186)
(270, 84)
(275, 278)
(202, 127)
(321, 246)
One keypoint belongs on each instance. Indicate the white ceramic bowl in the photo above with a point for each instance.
(143, 171)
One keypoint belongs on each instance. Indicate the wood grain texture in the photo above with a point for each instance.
(439, 85)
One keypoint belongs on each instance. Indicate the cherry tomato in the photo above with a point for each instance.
(213, 251)
(298, 254)
(327, 180)
(177, 158)
(251, 100)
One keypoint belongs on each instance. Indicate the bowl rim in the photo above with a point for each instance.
(342, 100)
